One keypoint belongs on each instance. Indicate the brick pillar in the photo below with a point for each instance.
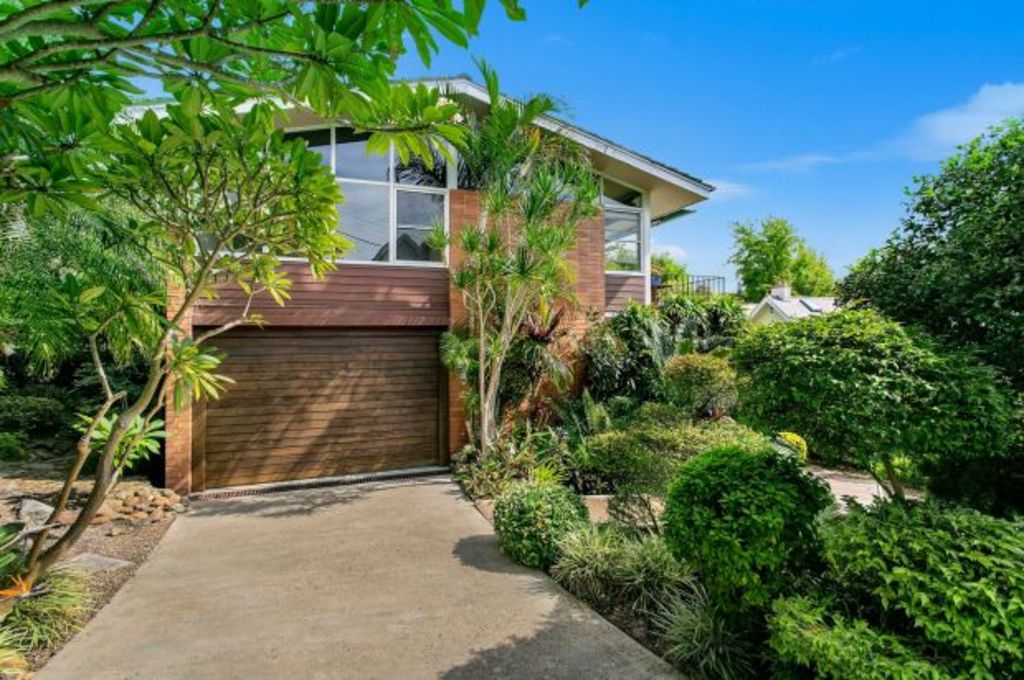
(464, 209)
(178, 422)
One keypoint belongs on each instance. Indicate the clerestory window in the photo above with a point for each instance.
(389, 208)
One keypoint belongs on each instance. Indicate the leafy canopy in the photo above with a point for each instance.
(771, 253)
(956, 265)
(862, 388)
(68, 67)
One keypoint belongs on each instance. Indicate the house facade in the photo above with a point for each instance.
(346, 378)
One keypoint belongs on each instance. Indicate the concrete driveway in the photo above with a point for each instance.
(391, 580)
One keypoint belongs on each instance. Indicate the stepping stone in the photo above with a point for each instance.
(33, 512)
(93, 563)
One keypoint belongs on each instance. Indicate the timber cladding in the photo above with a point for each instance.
(620, 289)
(321, 402)
(352, 295)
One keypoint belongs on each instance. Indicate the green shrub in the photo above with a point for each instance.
(530, 519)
(588, 563)
(624, 355)
(793, 443)
(515, 457)
(605, 362)
(616, 571)
(954, 576)
(697, 639)
(653, 414)
(644, 457)
(12, 446)
(858, 387)
(45, 620)
(651, 575)
(702, 322)
(12, 663)
(693, 439)
(702, 385)
(32, 416)
(746, 520)
(802, 633)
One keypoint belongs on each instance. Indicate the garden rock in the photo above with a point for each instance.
(93, 563)
(33, 512)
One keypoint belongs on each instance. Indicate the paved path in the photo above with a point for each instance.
(400, 580)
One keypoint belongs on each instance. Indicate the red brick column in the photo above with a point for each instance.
(464, 209)
(178, 422)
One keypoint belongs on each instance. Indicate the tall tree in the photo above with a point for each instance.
(772, 252)
(956, 265)
(535, 188)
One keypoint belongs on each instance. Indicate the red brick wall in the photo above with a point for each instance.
(178, 422)
(464, 209)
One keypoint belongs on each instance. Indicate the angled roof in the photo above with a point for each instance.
(796, 307)
(672, 191)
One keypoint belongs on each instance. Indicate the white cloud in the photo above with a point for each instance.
(728, 190)
(795, 163)
(837, 56)
(677, 253)
(929, 137)
(934, 136)
(557, 39)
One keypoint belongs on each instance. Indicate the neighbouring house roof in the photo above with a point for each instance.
(795, 307)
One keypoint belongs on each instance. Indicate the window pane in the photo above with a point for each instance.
(417, 215)
(363, 219)
(353, 162)
(416, 172)
(620, 226)
(412, 246)
(316, 140)
(617, 194)
(622, 256)
(621, 241)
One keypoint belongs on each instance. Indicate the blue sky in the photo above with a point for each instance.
(820, 112)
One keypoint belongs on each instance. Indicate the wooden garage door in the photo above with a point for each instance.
(316, 403)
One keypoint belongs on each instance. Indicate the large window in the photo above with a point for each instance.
(623, 228)
(389, 207)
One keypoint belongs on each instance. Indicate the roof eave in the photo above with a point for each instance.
(465, 86)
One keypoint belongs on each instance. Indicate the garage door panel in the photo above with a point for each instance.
(240, 438)
(317, 402)
(281, 409)
(334, 433)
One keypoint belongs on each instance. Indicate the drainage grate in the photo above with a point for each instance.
(323, 482)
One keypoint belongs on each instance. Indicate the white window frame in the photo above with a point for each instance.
(393, 187)
(644, 211)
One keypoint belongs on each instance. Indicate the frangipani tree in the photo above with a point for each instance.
(68, 67)
(535, 188)
(209, 198)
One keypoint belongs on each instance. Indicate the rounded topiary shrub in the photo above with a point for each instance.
(531, 518)
(746, 519)
(702, 385)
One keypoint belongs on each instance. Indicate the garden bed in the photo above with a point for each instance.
(133, 520)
